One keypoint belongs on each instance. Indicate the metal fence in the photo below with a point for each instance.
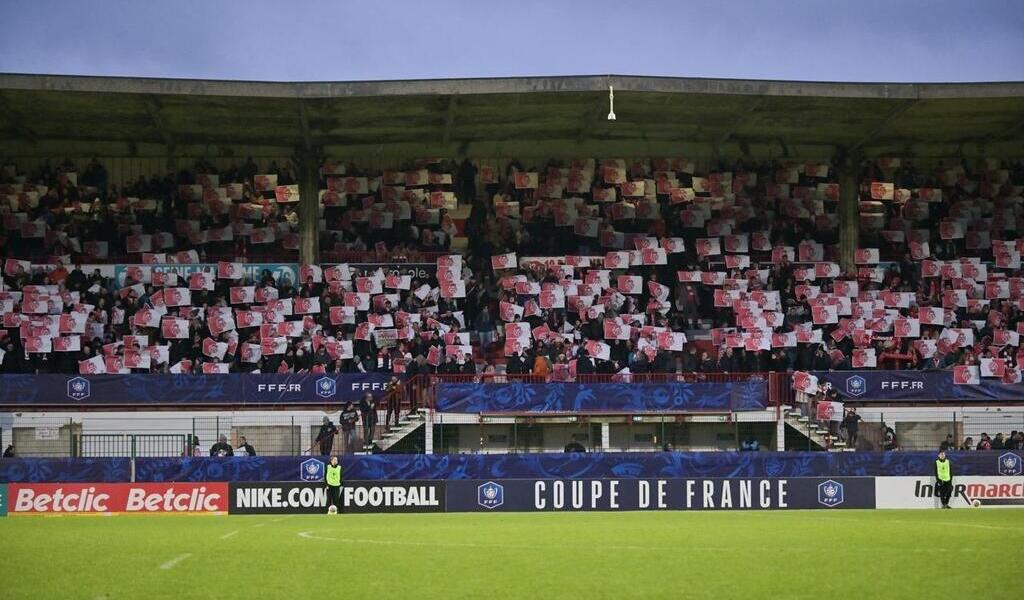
(126, 435)
(99, 445)
(638, 433)
(917, 429)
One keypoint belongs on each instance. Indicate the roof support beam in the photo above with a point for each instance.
(590, 119)
(16, 120)
(153, 108)
(449, 119)
(742, 119)
(894, 114)
(1006, 134)
(307, 139)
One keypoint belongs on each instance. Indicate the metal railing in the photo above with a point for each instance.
(107, 445)
(94, 435)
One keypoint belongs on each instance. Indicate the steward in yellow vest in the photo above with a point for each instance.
(943, 478)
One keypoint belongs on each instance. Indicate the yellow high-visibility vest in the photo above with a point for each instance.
(333, 476)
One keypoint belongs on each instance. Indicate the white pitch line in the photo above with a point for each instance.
(957, 524)
(227, 535)
(901, 522)
(309, 535)
(174, 561)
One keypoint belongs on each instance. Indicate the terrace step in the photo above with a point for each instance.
(817, 435)
(406, 425)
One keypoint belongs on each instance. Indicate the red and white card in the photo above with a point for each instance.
(174, 329)
(966, 375)
(504, 261)
(709, 246)
(805, 382)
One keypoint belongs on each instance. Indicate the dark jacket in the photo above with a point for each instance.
(221, 449)
(574, 446)
(327, 430)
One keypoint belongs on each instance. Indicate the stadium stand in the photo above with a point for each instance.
(666, 270)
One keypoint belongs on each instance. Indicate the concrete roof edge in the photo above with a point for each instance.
(507, 85)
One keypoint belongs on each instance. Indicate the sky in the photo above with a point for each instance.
(298, 40)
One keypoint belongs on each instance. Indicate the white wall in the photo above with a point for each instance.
(274, 426)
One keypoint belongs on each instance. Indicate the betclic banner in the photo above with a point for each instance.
(114, 498)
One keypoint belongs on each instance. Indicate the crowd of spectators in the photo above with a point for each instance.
(573, 267)
(1013, 441)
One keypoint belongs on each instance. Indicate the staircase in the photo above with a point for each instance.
(817, 434)
(407, 424)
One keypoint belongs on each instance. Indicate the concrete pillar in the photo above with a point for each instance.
(780, 433)
(309, 207)
(428, 432)
(606, 437)
(849, 210)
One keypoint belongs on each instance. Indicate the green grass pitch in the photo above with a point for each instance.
(750, 555)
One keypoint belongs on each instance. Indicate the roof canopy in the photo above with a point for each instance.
(977, 118)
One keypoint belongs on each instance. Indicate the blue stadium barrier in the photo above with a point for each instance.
(510, 466)
(601, 397)
(153, 389)
(887, 386)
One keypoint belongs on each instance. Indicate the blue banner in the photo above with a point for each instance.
(601, 397)
(575, 466)
(753, 493)
(60, 470)
(626, 465)
(178, 390)
(866, 386)
(279, 271)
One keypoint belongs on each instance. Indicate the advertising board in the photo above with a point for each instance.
(919, 492)
(660, 494)
(101, 498)
(357, 497)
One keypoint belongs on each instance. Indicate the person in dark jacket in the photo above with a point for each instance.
(325, 437)
(393, 395)
(574, 445)
(585, 364)
(689, 360)
(348, 419)
(662, 362)
(724, 363)
(222, 447)
(246, 447)
(821, 360)
(368, 408)
(9, 452)
(851, 423)
(515, 365)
